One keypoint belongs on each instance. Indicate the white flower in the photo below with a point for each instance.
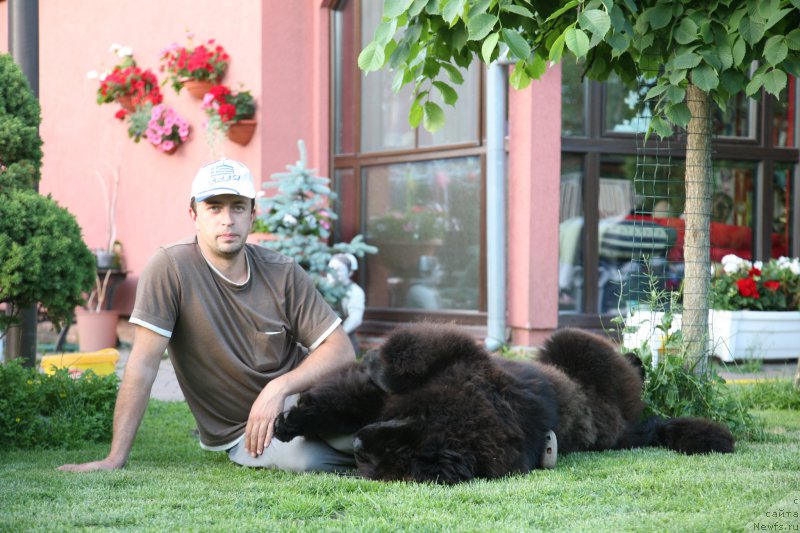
(114, 48)
(125, 51)
(92, 75)
(732, 263)
(758, 264)
(289, 220)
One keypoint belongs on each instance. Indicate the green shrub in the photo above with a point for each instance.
(54, 411)
(20, 144)
(42, 257)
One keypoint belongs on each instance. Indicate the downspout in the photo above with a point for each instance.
(495, 206)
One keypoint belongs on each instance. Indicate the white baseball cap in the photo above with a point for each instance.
(225, 176)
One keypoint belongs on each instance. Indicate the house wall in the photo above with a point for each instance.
(4, 46)
(272, 48)
(534, 177)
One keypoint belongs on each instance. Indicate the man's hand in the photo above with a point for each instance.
(261, 422)
(105, 464)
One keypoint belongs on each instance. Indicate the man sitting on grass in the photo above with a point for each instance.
(246, 331)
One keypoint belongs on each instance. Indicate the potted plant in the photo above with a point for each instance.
(197, 68)
(755, 312)
(755, 308)
(127, 83)
(229, 113)
(160, 125)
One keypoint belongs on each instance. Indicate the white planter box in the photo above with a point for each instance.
(734, 334)
(755, 334)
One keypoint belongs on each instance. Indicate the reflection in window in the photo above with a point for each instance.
(785, 128)
(570, 235)
(423, 219)
(783, 214)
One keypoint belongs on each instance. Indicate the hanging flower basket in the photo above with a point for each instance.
(126, 103)
(197, 88)
(241, 132)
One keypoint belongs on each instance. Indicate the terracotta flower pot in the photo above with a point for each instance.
(197, 88)
(97, 329)
(241, 132)
(126, 103)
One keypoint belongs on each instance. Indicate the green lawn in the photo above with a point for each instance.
(171, 484)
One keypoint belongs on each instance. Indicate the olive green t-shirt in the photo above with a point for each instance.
(227, 341)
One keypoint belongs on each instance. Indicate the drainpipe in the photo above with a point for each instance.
(496, 206)
(23, 41)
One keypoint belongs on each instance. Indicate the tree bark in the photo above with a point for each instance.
(697, 231)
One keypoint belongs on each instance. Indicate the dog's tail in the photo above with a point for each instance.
(684, 434)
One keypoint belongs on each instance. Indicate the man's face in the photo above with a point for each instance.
(223, 223)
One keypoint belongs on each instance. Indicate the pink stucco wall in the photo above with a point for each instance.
(273, 47)
(3, 27)
(533, 204)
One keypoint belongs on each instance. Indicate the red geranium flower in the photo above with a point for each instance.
(747, 288)
(772, 285)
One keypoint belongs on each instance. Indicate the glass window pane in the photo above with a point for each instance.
(735, 120)
(625, 108)
(384, 113)
(573, 100)
(785, 129)
(783, 214)
(425, 220)
(570, 235)
(344, 67)
(461, 121)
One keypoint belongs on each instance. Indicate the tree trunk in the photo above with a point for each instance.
(697, 233)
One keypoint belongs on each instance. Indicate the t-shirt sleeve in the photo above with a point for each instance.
(157, 295)
(311, 317)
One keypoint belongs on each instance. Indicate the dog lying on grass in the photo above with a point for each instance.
(432, 405)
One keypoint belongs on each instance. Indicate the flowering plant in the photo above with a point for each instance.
(159, 124)
(228, 107)
(203, 62)
(772, 286)
(127, 79)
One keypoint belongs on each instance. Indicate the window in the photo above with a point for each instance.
(610, 178)
(417, 196)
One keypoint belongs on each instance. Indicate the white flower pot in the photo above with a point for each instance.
(755, 334)
(734, 334)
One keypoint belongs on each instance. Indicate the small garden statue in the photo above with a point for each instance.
(351, 306)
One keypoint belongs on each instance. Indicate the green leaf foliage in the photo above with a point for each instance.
(42, 256)
(41, 411)
(20, 144)
(711, 44)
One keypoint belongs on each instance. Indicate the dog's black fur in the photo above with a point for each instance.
(433, 405)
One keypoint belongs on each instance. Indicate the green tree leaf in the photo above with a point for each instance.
(371, 58)
(752, 29)
(679, 114)
(519, 78)
(705, 78)
(686, 60)
(432, 116)
(488, 47)
(659, 15)
(415, 114)
(480, 26)
(793, 39)
(385, 31)
(395, 8)
(557, 49)
(596, 21)
(775, 49)
(577, 41)
(453, 73)
(519, 10)
(686, 32)
(449, 95)
(417, 7)
(774, 81)
(536, 67)
(516, 43)
(451, 9)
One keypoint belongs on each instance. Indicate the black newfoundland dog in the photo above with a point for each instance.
(433, 405)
